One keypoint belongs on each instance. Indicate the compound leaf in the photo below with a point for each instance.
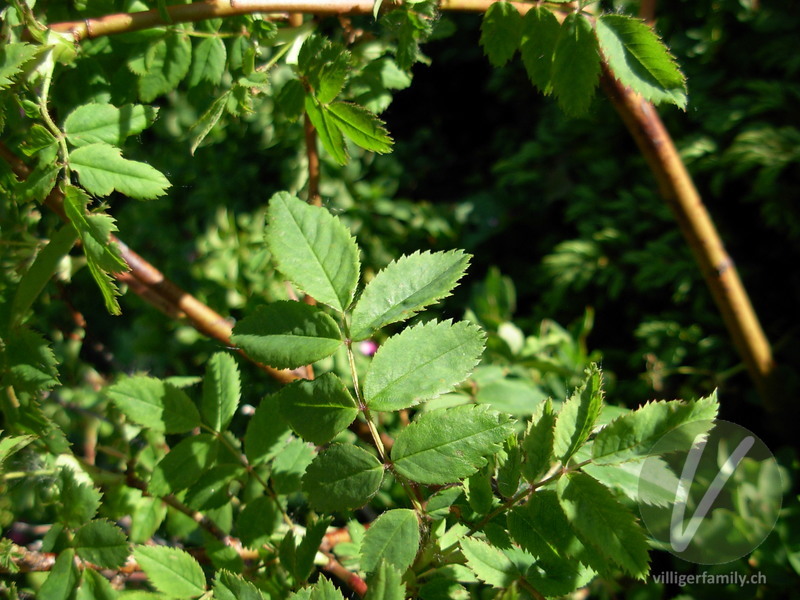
(318, 409)
(342, 477)
(449, 444)
(576, 65)
(102, 170)
(172, 571)
(602, 522)
(393, 537)
(640, 60)
(313, 249)
(501, 32)
(578, 415)
(152, 403)
(421, 363)
(102, 543)
(222, 389)
(287, 334)
(405, 287)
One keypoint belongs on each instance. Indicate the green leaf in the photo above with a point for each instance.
(229, 586)
(328, 133)
(319, 409)
(364, 128)
(601, 521)
(287, 334)
(386, 583)
(208, 62)
(438, 505)
(639, 59)
(222, 389)
(540, 30)
(501, 32)
(39, 183)
(393, 537)
(30, 364)
(541, 528)
(633, 435)
(38, 139)
(103, 255)
(163, 66)
(267, 433)
(313, 249)
(509, 468)
(446, 445)
(325, 65)
(203, 126)
(576, 65)
(291, 100)
(421, 363)
(78, 501)
(578, 415)
(147, 516)
(256, 522)
(152, 403)
(554, 576)
(342, 477)
(655, 485)
(183, 465)
(11, 444)
(405, 287)
(62, 579)
(171, 571)
(488, 563)
(290, 465)
(325, 590)
(307, 550)
(95, 587)
(537, 445)
(41, 271)
(102, 170)
(102, 543)
(211, 489)
(479, 490)
(105, 123)
(13, 57)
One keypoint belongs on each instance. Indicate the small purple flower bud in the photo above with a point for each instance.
(368, 347)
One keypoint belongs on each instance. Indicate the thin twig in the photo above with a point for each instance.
(681, 195)
(211, 9)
